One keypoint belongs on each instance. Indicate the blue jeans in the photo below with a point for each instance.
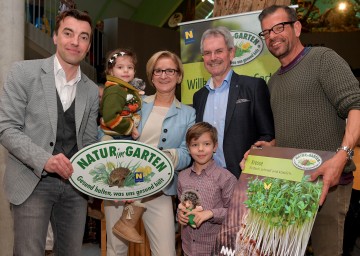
(53, 199)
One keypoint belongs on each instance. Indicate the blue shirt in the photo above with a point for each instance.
(215, 112)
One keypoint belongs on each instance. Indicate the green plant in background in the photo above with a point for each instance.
(281, 215)
(101, 173)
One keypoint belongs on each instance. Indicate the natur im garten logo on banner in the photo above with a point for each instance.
(121, 170)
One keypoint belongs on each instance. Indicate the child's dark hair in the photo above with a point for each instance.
(199, 129)
(113, 55)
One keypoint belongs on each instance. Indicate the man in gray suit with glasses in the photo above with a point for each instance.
(48, 111)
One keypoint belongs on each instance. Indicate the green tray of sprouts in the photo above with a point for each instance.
(279, 218)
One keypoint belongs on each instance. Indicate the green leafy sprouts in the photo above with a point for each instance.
(280, 217)
(281, 202)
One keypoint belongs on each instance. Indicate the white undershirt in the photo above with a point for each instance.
(152, 128)
(66, 90)
(152, 131)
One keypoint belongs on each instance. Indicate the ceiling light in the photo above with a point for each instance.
(342, 6)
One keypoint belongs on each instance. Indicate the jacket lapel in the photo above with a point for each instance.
(145, 111)
(80, 101)
(233, 96)
(201, 107)
(173, 108)
(48, 83)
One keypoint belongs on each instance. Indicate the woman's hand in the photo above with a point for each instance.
(135, 133)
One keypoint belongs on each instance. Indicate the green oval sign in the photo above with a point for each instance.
(121, 170)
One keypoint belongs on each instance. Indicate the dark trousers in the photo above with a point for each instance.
(352, 223)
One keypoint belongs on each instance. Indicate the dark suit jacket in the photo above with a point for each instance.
(248, 117)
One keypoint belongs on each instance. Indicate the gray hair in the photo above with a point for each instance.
(218, 31)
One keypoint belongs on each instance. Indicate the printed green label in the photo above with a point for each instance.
(273, 167)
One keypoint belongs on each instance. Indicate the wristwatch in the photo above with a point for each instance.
(349, 151)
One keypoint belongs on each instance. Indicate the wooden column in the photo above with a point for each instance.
(140, 249)
(227, 7)
(12, 26)
(103, 233)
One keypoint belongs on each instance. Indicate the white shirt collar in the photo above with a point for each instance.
(66, 89)
(60, 73)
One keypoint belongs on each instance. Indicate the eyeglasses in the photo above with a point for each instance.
(218, 52)
(168, 72)
(278, 28)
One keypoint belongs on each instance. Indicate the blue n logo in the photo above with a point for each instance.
(139, 177)
(189, 36)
